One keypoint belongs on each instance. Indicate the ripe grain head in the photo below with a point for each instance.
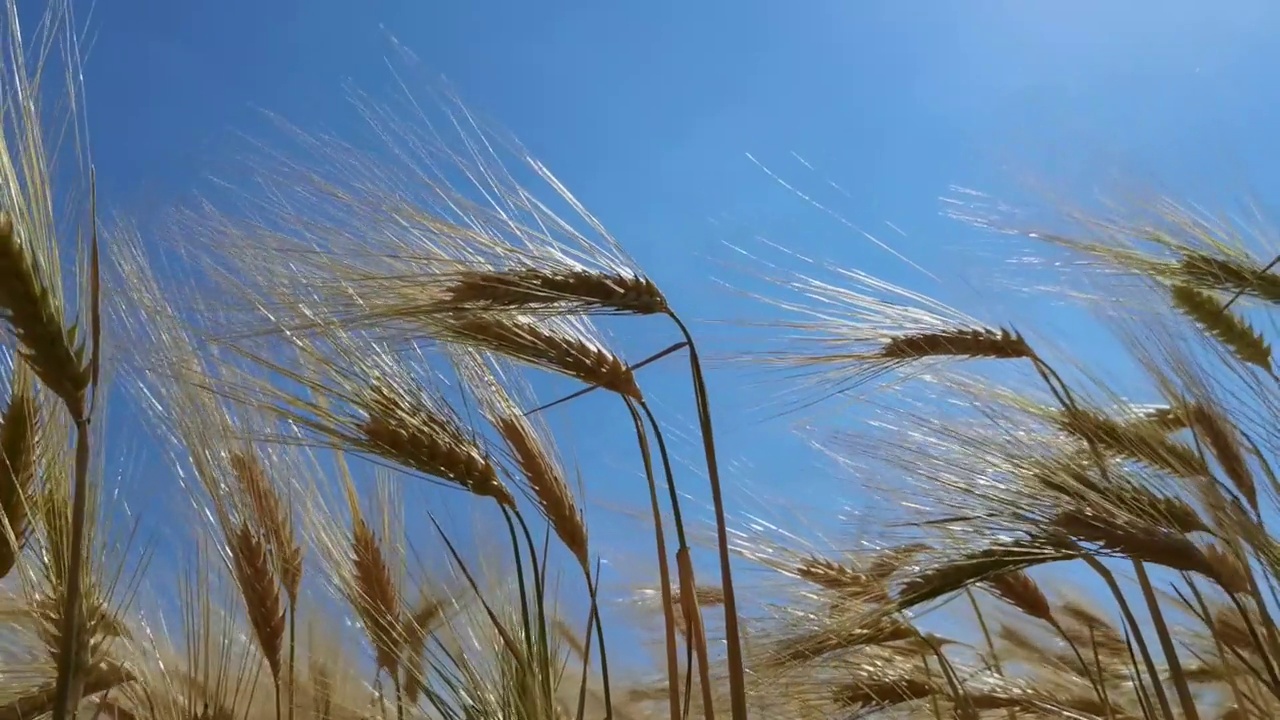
(31, 309)
(19, 435)
(553, 345)
(530, 446)
(256, 578)
(271, 519)
(528, 290)
(376, 597)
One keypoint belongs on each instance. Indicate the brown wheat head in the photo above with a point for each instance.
(535, 344)
(19, 430)
(530, 288)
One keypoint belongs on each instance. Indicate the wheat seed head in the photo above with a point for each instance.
(530, 446)
(19, 435)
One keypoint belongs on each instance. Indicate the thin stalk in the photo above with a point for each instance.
(396, 685)
(67, 687)
(1144, 698)
(934, 705)
(293, 642)
(1011, 713)
(1207, 618)
(1100, 687)
(688, 584)
(539, 580)
(664, 571)
(536, 644)
(1109, 578)
(1185, 698)
(733, 638)
(594, 620)
(697, 635)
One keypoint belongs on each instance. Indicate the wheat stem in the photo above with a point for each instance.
(733, 637)
(73, 648)
(664, 572)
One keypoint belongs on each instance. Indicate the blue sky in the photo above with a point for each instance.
(648, 112)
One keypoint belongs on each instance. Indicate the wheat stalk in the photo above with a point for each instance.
(418, 627)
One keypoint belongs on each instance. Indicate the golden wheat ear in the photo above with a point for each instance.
(30, 309)
(553, 346)
(577, 290)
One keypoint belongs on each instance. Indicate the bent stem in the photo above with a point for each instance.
(1132, 622)
(1189, 711)
(664, 571)
(733, 639)
(687, 580)
(594, 620)
(537, 641)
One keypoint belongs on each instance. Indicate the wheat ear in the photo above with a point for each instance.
(531, 288)
(1223, 440)
(376, 597)
(868, 694)
(528, 342)
(1225, 326)
(1140, 444)
(33, 314)
(979, 566)
(272, 519)
(548, 485)
(1228, 275)
(251, 565)
(1019, 590)
(429, 443)
(19, 430)
(968, 342)
(1148, 544)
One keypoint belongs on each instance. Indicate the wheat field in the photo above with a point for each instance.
(354, 328)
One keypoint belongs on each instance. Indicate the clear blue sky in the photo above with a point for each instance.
(647, 111)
